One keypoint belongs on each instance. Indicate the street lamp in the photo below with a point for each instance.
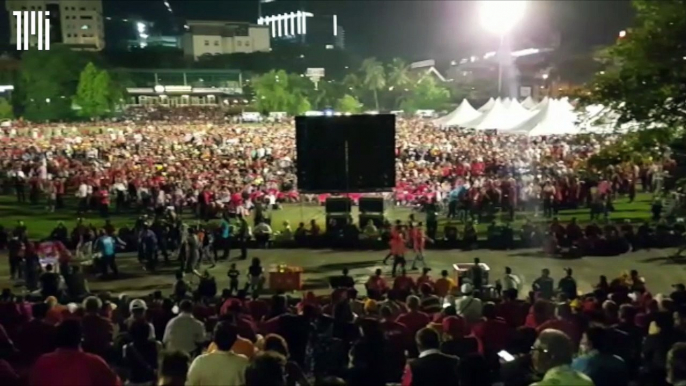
(499, 17)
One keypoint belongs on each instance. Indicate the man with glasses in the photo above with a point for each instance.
(552, 356)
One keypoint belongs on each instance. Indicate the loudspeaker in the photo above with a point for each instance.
(371, 205)
(338, 205)
(354, 154)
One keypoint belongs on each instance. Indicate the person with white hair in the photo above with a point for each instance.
(469, 306)
(552, 355)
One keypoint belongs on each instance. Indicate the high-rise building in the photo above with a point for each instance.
(76, 23)
(224, 37)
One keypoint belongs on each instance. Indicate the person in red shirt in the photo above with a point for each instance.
(414, 319)
(97, 331)
(399, 339)
(104, 196)
(425, 278)
(564, 321)
(376, 285)
(37, 337)
(403, 284)
(492, 331)
(68, 365)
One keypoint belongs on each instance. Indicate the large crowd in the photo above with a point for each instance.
(195, 157)
(423, 330)
(414, 330)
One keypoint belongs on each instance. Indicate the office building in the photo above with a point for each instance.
(224, 37)
(76, 23)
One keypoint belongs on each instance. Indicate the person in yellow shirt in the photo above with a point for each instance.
(444, 285)
(242, 346)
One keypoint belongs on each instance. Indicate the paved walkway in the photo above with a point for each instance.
(319, 265)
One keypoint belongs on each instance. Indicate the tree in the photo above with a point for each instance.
(280, 91)
(348, 104)
(647, 83)
(48, 82)
(6, 111)
(427, 94)
(374, 77)
(87, 97)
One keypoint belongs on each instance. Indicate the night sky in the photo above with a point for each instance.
(414, 30)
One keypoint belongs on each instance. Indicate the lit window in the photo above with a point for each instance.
(85, 26)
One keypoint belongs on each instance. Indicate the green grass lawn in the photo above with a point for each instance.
(40, 223)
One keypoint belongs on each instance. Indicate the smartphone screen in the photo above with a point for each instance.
(506, 356)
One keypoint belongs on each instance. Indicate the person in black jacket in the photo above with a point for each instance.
(432, 367)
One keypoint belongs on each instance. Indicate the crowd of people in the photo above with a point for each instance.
(414, 331)
(420, 330)
(195, 157)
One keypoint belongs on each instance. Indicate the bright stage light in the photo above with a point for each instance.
(501, 16)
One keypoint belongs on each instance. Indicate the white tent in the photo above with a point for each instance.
(496, 118)
(487, 106)
(550, 119)
(517, 112)
(529, 103)
(506, 102)
(564, 102)
(541, 104)
(463, 113)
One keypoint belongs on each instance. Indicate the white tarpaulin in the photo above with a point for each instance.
(506, 102)
(529, 103)
(551, 119)
(497, 118)
(463, 113)
(487, 106)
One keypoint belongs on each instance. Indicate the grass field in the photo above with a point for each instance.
(40, 222)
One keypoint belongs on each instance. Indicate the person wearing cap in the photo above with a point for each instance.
(468, 306)
(551, 356)
(138, 309)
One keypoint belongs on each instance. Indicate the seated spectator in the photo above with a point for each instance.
(138, 309)
(8, 376)
(141, 355)
(552, 355)
(68, 365)
(97, 331)
(432, 367)
(468, 306)
(444, 285)
(366, 365)
(36, 337)
(492, 331)
(184, 333)
(222, 367)
(265, 369)
(564, 322)
(597, 361)
(263, 233)
(414, 319)
(657, 344)
(430, 303)
(455, 342)
(676, 365)
(173, 369)
(50, 283)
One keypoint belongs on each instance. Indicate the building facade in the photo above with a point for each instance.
(221, 37)
(76, 23)
(195, 87)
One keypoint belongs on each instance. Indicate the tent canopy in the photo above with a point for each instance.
(463, 113)
(496, 118)
(529, 103)
(551, 119)
(487, 106)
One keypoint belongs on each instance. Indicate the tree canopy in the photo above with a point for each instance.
(645, 77)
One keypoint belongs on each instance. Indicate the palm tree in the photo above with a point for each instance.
(374, 77)
(398, 73)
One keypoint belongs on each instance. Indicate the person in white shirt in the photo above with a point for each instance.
(467, 305)
(184, 332)
(511, 282)
(221, 367)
